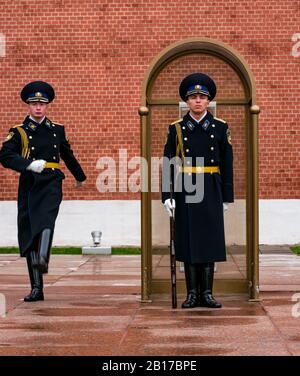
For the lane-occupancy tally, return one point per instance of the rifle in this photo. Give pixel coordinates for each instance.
(172, 252)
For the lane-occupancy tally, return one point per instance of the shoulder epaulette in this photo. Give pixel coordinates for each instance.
(56, 123)
(221, 120)
(176, 122)
(18, 125)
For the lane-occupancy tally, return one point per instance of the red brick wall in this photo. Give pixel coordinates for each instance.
(95, 54)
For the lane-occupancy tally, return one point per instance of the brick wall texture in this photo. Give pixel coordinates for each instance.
(95, 53)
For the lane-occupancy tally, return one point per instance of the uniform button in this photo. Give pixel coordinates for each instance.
(54, 134)
(213, 125)
(212, 136)
(32, 148)
(33, 159)
(185, 138)
(53, 169)
(55, 146)
(212, 148)
(54, 157)
(187, 150)
(183, 127)
(30, 137)
(189, 173)
(212, 160)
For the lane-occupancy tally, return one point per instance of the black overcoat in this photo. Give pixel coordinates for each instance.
(39, 195)
(199, 226)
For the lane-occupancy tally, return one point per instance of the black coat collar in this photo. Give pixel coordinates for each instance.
(33, 125)
(191, 124)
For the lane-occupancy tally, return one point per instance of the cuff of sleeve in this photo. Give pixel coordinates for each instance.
(81, 177)
(23, 164)
(165, 196)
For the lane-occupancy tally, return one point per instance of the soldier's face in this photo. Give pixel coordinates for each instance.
(198, 104)
(37, 110)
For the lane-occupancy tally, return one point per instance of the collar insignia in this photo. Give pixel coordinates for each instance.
(32, 126)
(190, 125)
(49, 125)
(205, 125)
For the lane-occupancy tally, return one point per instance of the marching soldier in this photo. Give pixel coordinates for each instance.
(34, 149)
(199, 224)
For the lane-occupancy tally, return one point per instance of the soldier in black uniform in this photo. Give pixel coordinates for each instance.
(199, 225)
(34, 149)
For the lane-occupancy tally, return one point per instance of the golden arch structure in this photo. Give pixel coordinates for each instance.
(189, 54)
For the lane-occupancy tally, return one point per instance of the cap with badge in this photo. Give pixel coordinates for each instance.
(197, 83)
(37, 91)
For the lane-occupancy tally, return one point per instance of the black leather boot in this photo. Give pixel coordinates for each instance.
(44, 250)
(30, 269)
(36, 279)
(206, 284)
(191, 279)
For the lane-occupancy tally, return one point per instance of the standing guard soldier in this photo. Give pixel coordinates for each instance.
(199, 226)
(34, 149)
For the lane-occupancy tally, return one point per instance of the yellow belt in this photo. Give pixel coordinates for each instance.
(200, 169)
(52, 165)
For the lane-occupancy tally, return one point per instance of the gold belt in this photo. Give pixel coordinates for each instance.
(200, 169)
(52, 165)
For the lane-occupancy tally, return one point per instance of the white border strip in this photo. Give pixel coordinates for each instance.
(119, 221)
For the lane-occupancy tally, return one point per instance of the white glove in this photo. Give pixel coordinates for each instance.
(225, 206)
(170, 206)
(37, 166)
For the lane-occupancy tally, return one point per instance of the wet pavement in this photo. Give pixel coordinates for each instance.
(92, 307)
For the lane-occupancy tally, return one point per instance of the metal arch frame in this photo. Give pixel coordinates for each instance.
(236, 61)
